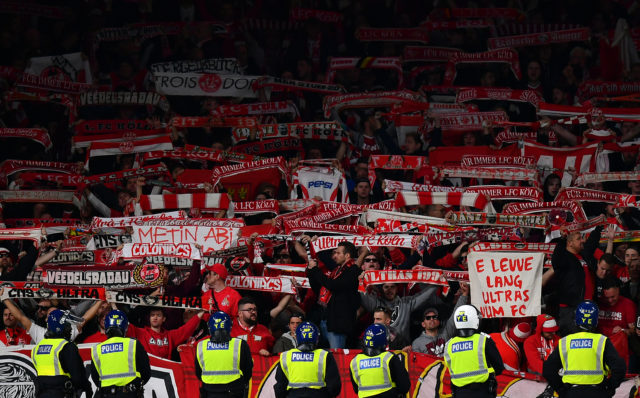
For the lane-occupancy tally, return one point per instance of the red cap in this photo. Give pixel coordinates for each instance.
(520, 332)
(219, 269)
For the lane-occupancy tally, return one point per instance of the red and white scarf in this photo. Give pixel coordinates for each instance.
(303, 14)
(85, 140)
(206, 121)
(408, 198)
(126, 147)
(540, 39)
(33, 234)
(344, 63)
(217, 201)
(202, 154)
(270, 83)
(509, 174)
(421, 275)
(498, 94)
(132, 251)
(527, 208)
(256, 206)
(272, 284)
(329, 131)
(227, 66)
(587, 195)
(123, 98)
(518, 220)
(392, 34)
(587, 178)
(427, 54)
(509, 56)
(41, 136)
(257, 108)
(378, 99)
(110, 126)
(122, 222)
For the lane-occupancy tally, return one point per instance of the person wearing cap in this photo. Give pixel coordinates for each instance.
(57, 361)
(219, 297)
(433, 338)
(509, 342)
(9, 271)
(591, 366)
(541, 344)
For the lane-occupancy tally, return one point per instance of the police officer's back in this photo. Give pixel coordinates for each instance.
(120, 365)
(586, 358)
(307, 371)
(57, 361)
(472, 357)
(223, 363)
(377, 372)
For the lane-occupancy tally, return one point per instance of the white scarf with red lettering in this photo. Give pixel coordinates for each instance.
(409, 198)
(343, 63)
(503, 55)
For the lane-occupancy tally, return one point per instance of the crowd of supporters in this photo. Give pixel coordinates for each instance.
(296, 41)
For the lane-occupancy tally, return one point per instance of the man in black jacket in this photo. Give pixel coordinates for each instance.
(570, 260)
(17, 272)
(338, 294)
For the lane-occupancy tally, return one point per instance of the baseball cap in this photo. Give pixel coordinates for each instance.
(428, 310)
(219, 269)
(550, 324)
(4, 250)
(520, 332)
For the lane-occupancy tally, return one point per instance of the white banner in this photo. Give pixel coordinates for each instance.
(68, 67)
(506, 284)
(211, 238)
(204, 84)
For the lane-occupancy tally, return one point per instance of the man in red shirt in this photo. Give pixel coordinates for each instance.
(158, 341)
(247, 328)
(12, 333)
(224, 298)
(541, 344)
(509, 344)
(617, 316)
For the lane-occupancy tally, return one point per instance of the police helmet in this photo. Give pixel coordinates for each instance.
(220, 327)
(375, 339)
(467, 320)
(307, 336)
(587, 315)
(116, 321)
(57, 323)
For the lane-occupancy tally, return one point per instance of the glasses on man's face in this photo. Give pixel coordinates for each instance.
(371, 260)
(3, 255)
(430, 317)
(43, 308)
(253, 309)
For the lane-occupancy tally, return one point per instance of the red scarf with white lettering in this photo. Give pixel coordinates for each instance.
(540, 39)
(365, 34)
(503, 55)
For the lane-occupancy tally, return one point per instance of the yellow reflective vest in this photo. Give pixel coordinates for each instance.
(220, 362)
(466, 360)
(115, 361)
(304, 369)
(46, 357)
(372, 374)
(582, 356)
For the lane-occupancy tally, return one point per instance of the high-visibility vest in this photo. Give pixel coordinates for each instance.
(115, 361)
(46, 357)
(220, 362)
(466, 360)
(372, 374)
(304, 369)
(582, 356)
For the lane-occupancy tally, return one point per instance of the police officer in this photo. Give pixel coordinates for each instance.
(307, 371)
(57, 361)
(377, 372)
(223, 363)
(586, 358)
(120, 365)
(472, 358)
